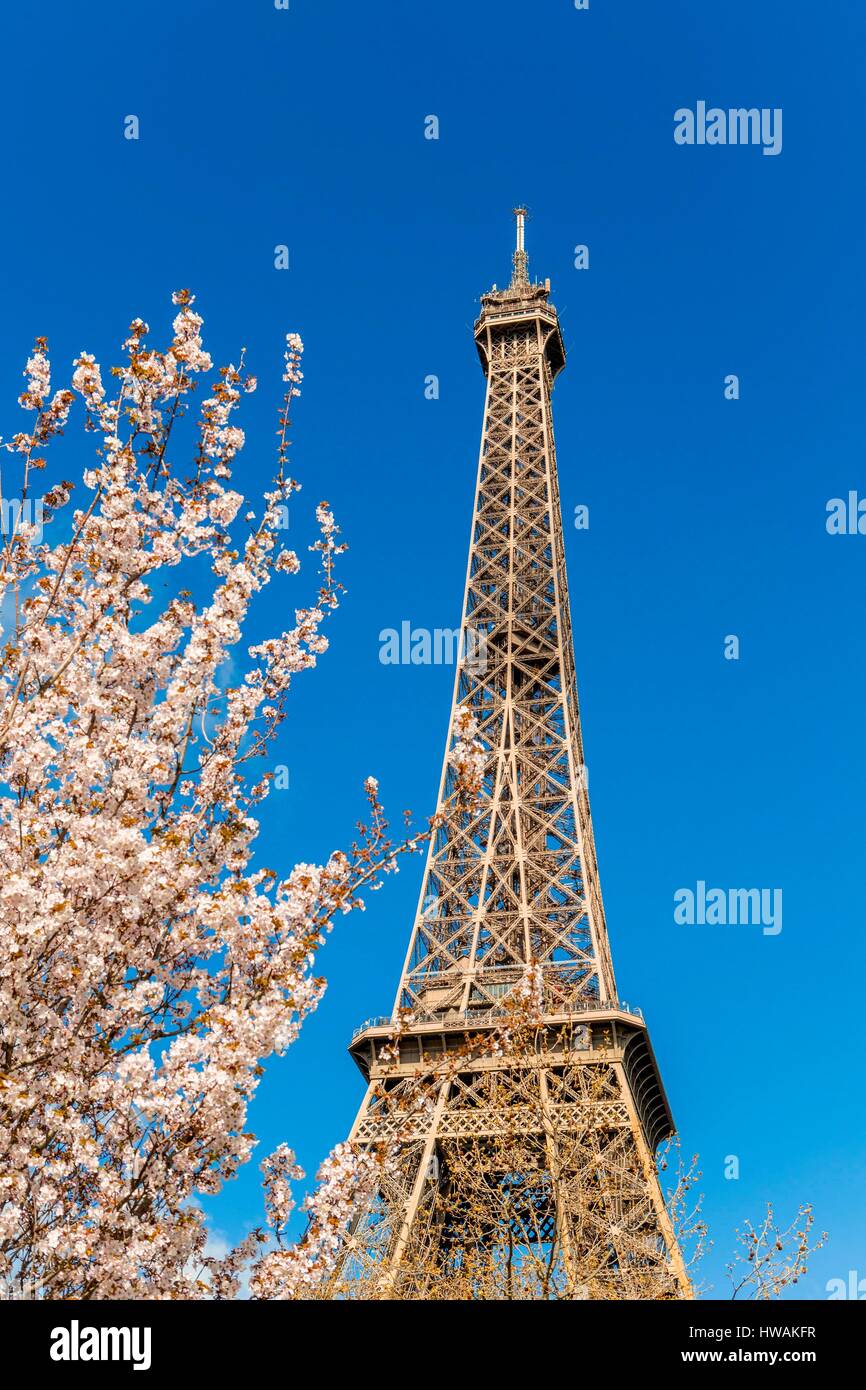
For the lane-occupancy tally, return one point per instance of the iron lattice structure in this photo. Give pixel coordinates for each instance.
(539, 1155)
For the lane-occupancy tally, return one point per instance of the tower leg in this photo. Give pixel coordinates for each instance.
(544, 1186)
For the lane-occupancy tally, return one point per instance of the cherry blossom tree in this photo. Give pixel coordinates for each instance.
(770, 1257)
(148, 966)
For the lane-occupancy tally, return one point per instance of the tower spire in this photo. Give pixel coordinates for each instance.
(520, 260)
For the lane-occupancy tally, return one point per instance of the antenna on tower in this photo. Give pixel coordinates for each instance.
(520, 259)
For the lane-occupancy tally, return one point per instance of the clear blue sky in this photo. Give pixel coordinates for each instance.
(305, 127)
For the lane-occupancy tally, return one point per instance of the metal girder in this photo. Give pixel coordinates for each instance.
(510, 880)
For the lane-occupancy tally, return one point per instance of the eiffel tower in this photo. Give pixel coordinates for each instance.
(529, 1171)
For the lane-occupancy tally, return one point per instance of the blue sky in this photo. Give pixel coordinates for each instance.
(707, 517)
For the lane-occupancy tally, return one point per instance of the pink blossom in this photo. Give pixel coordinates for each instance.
(147, 969)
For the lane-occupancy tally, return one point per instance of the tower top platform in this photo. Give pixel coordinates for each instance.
(517, 307)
